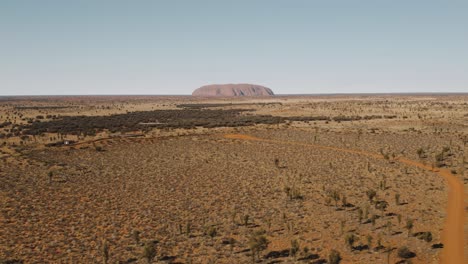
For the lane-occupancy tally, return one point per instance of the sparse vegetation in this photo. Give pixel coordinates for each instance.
(166, 172)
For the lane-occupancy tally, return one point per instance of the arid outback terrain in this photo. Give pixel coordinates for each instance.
(283, 179)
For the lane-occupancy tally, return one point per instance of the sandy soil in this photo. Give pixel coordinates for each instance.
(173, 185)
(453, 237)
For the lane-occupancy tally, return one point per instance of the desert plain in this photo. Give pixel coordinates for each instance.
(278, 179)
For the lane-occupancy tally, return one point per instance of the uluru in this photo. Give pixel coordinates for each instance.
(227, 90)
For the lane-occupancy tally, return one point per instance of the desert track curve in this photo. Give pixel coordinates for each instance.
(452, 235)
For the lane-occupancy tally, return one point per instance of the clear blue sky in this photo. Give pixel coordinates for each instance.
(291, 46)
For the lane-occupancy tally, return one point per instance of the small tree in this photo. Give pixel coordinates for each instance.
(342, 226)
(420, 153)
(373, 218)
(350, 239)
(344, 202)
(136, 236)
(149, 252)
(369, 241)
(426, 236)
(397, 199)
(98, 148)
(334, 257)
(50, 175)
(232, 243)
(404, 252)
(294, 248)
(409, 225)
(257, 243)
(212, 232)
(389, 227)
(246, 219)
(389, 253)
(335, 196)
(383, 184)
(188, 228)
(371, 194)
(360, 214)
(105, 251)
(268, 224)
(381, 205)
(439, 160)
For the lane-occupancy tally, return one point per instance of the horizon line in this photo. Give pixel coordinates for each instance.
(267, 96)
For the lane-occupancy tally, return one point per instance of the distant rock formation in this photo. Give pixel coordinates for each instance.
(225, 90)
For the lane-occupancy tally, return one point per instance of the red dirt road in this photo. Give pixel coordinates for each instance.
(452, 236)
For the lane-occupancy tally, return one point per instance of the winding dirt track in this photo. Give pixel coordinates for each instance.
(452, 236)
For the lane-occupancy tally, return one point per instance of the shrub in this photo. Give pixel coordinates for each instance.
(149, 252)
(188, 228)
(50, 175)
(371, 194)
(212, 232)
(360, 214)
(439, 160)
(136, 236)
(409, 225)
(404, 252)
(334, 257)
(246, 219)
(369, 241)
(98, 148)
(335, 195)
(306, 251)
(294, 248)
(420, 153)
(426, 236)
(344, 202)
(257, 243)
(350, 239)
(381, 205)
(105, 251)
(373, 218)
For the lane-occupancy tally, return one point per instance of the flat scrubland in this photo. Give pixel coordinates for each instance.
(142, 178)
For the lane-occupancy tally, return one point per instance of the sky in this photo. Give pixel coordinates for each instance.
(291, 46)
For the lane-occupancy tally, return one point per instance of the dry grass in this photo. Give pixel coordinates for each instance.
(188, 192)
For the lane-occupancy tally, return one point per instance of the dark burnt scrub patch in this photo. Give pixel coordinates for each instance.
(178, 118)
(50, 107)
(200, 106)
(142, 120)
